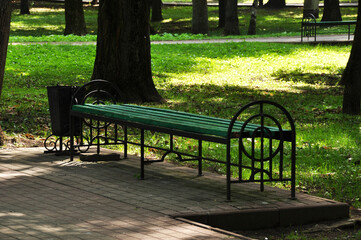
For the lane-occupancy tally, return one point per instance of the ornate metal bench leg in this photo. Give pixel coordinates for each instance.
(125, 129)
(142, 154)
(293, 171)
(228, 170)
(200, 154)
(71, 150)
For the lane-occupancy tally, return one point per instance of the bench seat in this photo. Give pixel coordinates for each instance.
(309, 24)
(330, 23)
(175, 120)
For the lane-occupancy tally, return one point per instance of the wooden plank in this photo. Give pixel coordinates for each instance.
(169, 118)
(184, 118)
(329, 23)
(152, 121)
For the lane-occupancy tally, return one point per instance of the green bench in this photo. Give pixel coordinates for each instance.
(101, 114)
(309, 26)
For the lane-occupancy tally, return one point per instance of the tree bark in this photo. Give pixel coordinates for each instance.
(200, 17)
(5, 16)
(275, 4)
(157, 10)
(222, 13)
(351, 77)
(252, 21)
(123, 49)
(232, 25)
(24, 7)
(74, 18)
(331, 11)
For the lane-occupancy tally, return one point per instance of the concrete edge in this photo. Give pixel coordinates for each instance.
(252, 219)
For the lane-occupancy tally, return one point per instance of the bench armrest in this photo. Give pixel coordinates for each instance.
(97, 92)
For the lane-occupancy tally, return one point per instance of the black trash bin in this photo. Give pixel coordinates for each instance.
(59, 98)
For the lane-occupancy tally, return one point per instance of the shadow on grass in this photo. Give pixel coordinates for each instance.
(224, 101)
(311, 78)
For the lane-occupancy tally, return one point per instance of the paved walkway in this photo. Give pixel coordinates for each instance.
(215, 4)
(338, 38)
(293, 39)
(46, 197)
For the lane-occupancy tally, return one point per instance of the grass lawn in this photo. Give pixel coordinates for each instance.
(212, 79)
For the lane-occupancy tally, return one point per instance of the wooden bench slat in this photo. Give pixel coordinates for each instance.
(144, 119)
(168, 118)
(184, 116)
(330, 23)
(196, 118)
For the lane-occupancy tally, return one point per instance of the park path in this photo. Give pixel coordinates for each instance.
(339, 38)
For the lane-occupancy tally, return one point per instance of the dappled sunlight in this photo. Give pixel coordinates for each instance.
(47, 10)
(296, 70)
(7, 175)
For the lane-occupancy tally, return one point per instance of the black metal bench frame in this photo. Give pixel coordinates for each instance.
(309, 26)
(98, 123)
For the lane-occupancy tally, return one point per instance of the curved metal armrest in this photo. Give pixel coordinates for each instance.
(97, 92)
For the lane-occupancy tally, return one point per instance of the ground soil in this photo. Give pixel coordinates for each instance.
(18, 141)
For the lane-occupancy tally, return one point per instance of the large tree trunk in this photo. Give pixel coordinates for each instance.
(232, 25)
(200, 17)
(24, 7)
(331, 11)
(351, 77)
(123, 49)
(74, 18)
(5, 16)
(222, 13)
(275, 4)
(157, 11)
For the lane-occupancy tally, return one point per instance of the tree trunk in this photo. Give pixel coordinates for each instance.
(123, 49)
(2, 137)
(331, 11)
(252, 21)
(74, 18)
(5, 16)
(222, 13)
(157, 11)
(24, 7)
(232, 26)
(311, 7)
(351, 77)
(275, 4)
(200, 17)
